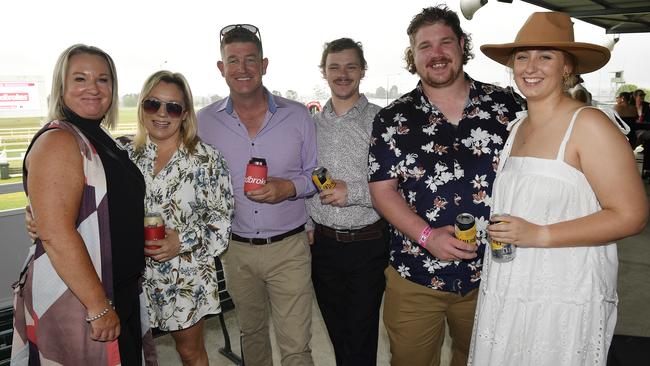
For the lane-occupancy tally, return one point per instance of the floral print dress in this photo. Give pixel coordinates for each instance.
(193, 192)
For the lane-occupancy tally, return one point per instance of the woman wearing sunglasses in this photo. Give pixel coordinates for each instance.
(188, 183)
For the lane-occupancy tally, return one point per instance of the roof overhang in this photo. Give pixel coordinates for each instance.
(615, 16)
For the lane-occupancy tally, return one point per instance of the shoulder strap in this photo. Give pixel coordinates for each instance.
(567, 134)
(513, 126)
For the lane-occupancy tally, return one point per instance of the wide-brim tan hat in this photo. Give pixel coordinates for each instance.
(551, 30)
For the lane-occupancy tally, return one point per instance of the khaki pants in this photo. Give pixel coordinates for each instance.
(277, 278)
(415, 316)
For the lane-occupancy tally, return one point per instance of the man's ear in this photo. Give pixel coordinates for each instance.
(220, 65)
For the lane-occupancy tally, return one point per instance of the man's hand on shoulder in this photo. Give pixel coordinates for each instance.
(275, 190)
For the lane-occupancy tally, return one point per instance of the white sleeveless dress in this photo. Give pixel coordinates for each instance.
(548, 306)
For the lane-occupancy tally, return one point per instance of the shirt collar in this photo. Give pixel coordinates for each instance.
(151, 149)
(474, 90)
(272, 103)
(359, 106)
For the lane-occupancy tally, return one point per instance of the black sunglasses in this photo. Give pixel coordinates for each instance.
(249, 27)
(152, 106)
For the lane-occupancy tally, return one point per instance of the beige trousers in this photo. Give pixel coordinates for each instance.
(415, 315)
(273, 278)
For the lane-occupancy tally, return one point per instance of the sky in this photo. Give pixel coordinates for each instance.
(144, 36)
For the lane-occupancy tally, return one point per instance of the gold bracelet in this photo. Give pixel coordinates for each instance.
(101, 313)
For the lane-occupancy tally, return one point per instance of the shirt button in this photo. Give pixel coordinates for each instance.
(255, 211)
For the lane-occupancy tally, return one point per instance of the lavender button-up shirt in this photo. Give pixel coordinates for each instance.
(287, 141)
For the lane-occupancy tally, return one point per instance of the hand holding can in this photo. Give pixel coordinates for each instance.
(322, 178)
(256, 174)
(501, 252)
(154, 228)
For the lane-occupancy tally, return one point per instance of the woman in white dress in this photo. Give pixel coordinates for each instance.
(568, 182)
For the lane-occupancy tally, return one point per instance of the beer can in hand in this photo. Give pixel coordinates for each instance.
(154, 228)
(322, 178)
(256, 174)
(501, 252)
(465, 228)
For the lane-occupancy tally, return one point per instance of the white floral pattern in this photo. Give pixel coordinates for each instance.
(193, 193)
(442, 171)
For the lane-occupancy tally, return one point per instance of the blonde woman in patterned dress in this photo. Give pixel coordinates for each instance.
(187, 182)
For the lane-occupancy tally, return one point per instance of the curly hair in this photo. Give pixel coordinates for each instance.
(432, 15)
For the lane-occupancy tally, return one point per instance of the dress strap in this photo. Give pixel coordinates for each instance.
(567, 134)
(513, 126)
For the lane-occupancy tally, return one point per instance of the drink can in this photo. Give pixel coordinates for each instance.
(501, 252)
(256, 174)
(322, 178)
(154, 228)
(465, 228)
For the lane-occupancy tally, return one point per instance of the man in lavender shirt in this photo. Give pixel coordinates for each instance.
(268, 262)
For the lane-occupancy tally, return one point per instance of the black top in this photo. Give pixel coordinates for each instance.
(125, 191)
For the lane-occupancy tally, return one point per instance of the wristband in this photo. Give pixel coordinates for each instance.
(424, 235)
(101, 313)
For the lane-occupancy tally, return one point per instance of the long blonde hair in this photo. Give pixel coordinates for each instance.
(189, 126)
(56, 105)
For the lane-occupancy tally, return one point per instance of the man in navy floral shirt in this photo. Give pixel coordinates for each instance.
(433, 155)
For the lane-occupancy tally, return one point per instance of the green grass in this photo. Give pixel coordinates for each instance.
(11, 180)
(10, 201)
(20, 122)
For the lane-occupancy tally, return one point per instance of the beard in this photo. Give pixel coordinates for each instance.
(443, 78)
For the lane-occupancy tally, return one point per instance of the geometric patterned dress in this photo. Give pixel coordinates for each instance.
(49, 325)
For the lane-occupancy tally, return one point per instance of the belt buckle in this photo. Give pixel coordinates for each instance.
(343, 232)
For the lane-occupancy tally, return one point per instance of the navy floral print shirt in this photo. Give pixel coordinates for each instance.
(442, 170)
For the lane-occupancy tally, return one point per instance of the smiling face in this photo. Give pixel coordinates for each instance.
(88, 86)
(438, 55)
(538, 73)
(242, 67)
(160, 125)
(343, 72)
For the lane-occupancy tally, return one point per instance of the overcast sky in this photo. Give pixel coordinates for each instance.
(145, 36)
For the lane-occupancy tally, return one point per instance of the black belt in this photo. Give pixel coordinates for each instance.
(273, 239)
(370, 232)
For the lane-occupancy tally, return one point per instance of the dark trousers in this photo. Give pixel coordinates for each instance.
(127, 306)
(349, 284)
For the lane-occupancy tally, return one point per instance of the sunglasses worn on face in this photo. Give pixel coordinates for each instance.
(249, 27)
(152, 106)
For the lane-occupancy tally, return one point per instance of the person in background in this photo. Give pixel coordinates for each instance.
(268, 261)
(188, 183)
(579, 92)
(77, 302)
(625, 108)
(555, 302)
(642, 107)
(350, 247)
(432, 157)
(643, 131)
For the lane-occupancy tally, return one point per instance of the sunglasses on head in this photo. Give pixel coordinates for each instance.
(152, 106)
(249, 27)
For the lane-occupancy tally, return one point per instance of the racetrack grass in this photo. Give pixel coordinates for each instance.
(11, 180)
(10, 201)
